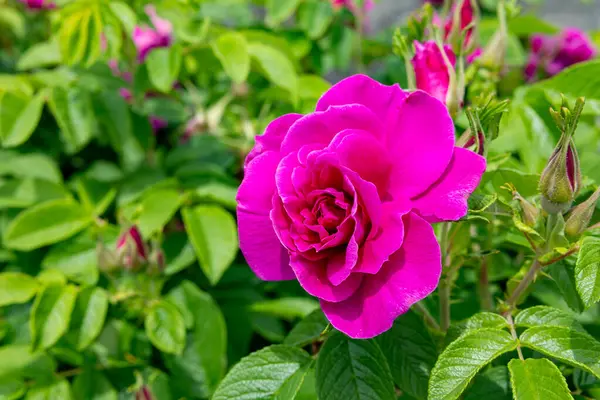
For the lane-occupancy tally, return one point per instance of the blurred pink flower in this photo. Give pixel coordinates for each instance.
(146, 39)
(343, 199)
(39, 4)
(352, 5)
(551, 54)
(157, 123)
(431, 72)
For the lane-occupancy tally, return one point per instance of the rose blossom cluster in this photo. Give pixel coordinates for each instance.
(551, 54)
(343, 199)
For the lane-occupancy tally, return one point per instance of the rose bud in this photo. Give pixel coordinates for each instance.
(146, 39)
(435, 73)
(39, 4)
(529, 213)
(580, 216)
(144, 393)
(462, 21)
(561, 179)
(131, 249)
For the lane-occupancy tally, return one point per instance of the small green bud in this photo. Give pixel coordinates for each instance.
(529, 212)
(561, 179)
(580, 216)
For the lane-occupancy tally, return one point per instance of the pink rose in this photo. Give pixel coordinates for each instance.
(147, 39)
(343, 199)
(431, 72)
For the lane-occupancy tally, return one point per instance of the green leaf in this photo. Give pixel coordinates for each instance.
(526, 25)
(587, 271)
(165, 327)
(563, 275)
(23, 193)
(463, 358)
(314, 17)
(213, 234)
(537, 379)
(51, 391)
(231, 49)
(312, 87)
(74, 114)
(493, 384)
(477, 321)
(19, 361)
(216, 192)
(286, 307)
(411, 354)
(198, 371)
(353, 369)
(581, 80)
(157, 209)
(34, 165)
(280, 10)
(546, 316)
(51, 314)
(565, 344)
(179, 253)
(19, 117)
(46, 223)
(270, 373)
(93, 385)
(307, 330)
(12, 389)
(16, 288)
(43, 54)
(276, 67)
(163, 67)
(89, 316)
(125, 14)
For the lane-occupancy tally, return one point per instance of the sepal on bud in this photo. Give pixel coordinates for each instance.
(580, 216)
(131, 249)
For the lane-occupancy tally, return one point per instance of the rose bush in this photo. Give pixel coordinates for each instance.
(342, 200)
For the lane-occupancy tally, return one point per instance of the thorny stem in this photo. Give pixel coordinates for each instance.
(445, 288)
(523, 285)
(513, 332)
(427, 316)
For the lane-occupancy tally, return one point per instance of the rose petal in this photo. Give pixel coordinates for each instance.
(259, 244)
(321, 127)
(410, 275)
(446, 200)
(312, 276)
(273, 136)
(382, 100)
(376, 251)
(421, 144)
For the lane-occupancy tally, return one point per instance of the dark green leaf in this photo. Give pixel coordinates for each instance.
(165, 327)
(200, 368)
(463, 358)
(287, 307)
(587, 271)
(493, 384)
(51, 314)
(353, 369)
(93, 385)
(51, 391)
(411, 354)
(46, 223)
(23, 193)
(308, 330)
(273, 372)
(477, 321)
(537, 379)
(16, 287)
(563, 275)
(546, 316)
(213, 234)
(565, 344)
(12, 389)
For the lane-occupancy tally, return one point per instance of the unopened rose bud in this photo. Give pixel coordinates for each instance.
(477, 143)
(494, 54)
(561, 179)
(580, 216)
(434, 72)
(131, 249)
(144, 393)
(529, 213)
(461, 25)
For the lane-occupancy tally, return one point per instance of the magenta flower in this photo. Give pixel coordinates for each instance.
(38, 4)
(431, 72)
(157, 123)
(352, 5)
(343, 199)
(146, 39)
(551, 54)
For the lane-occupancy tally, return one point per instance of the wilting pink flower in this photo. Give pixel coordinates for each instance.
(126, 94)
(466, 17)
(551, 54)
(147, 39)
(343, 199)
(38, 4)
(431, 72)
(157, 123)
(131, 248)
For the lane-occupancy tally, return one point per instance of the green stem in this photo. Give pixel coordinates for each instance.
(446, 281)
(523, 285)
(426, 315)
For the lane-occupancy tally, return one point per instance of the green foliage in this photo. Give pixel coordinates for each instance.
(587, 271)
(537, 379)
